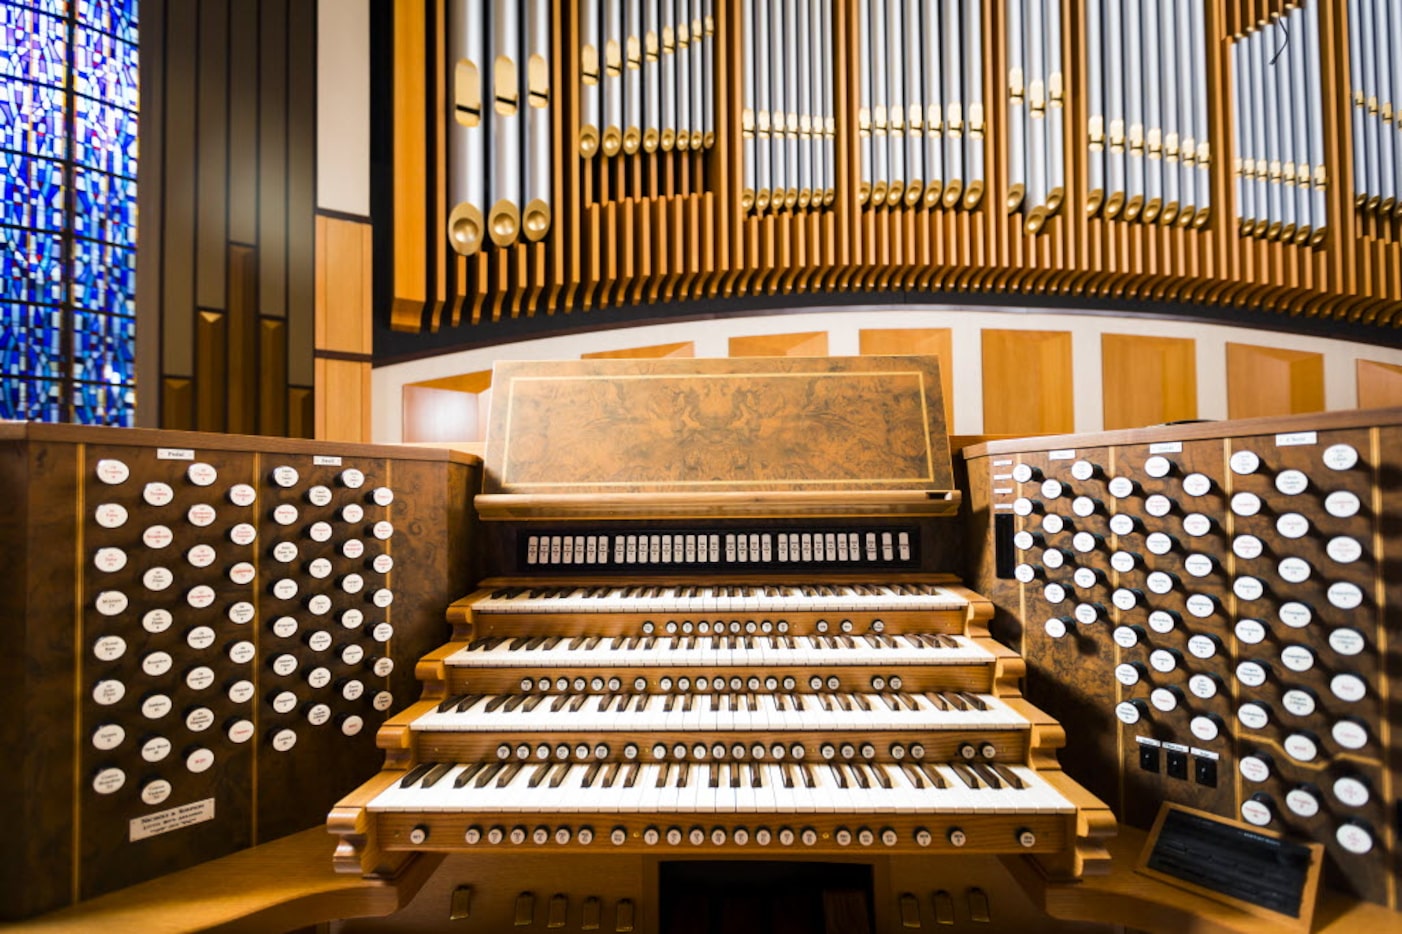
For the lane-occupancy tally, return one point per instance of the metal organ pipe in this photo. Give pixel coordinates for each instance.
(866, 154)
(1115, 107)
(1172, 135)
(591, 78)
(1134, 109)
(1017, 115)
(763, 169)
(652, 79)
(700, 103)
(1036, 119)
(535, 221)
(467, 136)
(804, 106)
(1187, 122)
(612, 76)
(1203, 155)
(914, 107)
(681, 46)
(1285, 102)
(1243, 166)
(880, 157)
(954, 104)
(504, 220)
(633, 79)
(747, 111)
(895, 103)
(931, 55)
(667, 53)
(1299, 93)
(1153, 117)
(973, 93)
(1314, 103)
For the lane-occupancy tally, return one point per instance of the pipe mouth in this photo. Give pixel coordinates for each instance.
(465, 229)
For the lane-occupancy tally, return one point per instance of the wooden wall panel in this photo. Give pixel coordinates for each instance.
(1379, 384)
(1271, 381)
(1027, 382)
(679, 349)
(232, 187)
(347, 383)
(809, 344)
(938, 342)
(1147, 380)
(343, 283)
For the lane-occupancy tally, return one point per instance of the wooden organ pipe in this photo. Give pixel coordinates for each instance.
(535, 220)
(1279, 133)
(504, 221)
(466, 226)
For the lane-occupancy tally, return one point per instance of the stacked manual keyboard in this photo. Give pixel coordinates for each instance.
(709, 720)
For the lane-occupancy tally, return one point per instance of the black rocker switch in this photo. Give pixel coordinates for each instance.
(1177, 765)
(1149, 758)
(1205, 772)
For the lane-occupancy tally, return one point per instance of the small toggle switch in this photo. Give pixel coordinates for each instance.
(1149, 758)
(1177, 764)
(1205, 771)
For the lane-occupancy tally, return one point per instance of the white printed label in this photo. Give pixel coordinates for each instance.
(174, 454)
(1296, 438)
(1166, 447)
(326, 460)
(1063, 455)
(176, 818)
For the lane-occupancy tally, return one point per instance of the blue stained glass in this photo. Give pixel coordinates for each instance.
(31, 266)
(104, 137)
(105, 69)
(31, 192)
(32, 400)
(31, 119)
(104, 207)
(36, 45)
(118, 17)
(104, 277)
(104, 348)
(104, 404)
(33, 341)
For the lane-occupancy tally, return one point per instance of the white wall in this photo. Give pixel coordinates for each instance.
(711, 339)
(343, 106)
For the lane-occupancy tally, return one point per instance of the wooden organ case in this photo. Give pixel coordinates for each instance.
(721, 642)
(1213, 607)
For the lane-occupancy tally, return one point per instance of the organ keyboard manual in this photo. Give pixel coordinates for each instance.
(720, 625)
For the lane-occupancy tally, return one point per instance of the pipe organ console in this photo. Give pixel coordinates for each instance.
(774, 669)
(1211, 607)
(616, 153)
(201, 635)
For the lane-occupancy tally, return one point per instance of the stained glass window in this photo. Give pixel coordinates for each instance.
(69, 98)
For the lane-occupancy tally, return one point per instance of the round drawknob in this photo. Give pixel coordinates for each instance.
(1026, 838)
(956, 837)
(418, 835)
(1259, 809)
